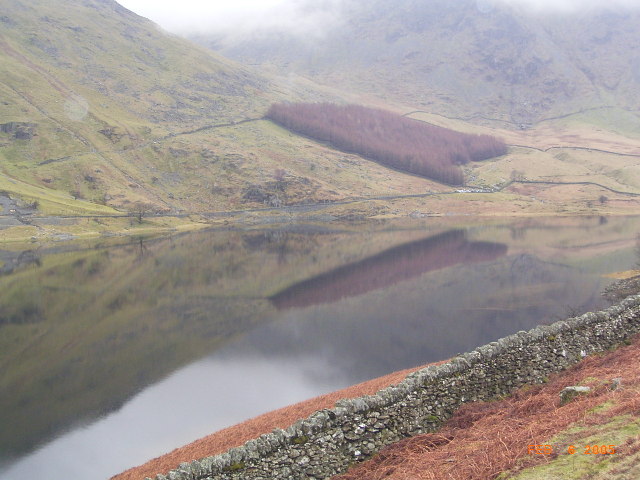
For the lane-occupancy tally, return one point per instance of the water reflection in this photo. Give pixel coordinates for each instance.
(196, 316)
(204, 397)
(430, 317)
(387, 268)
(82, 331)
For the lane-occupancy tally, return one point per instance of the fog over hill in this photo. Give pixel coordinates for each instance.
(515, 60)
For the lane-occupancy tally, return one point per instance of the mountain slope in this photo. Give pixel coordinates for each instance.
(102, 111)
(94, 83)
(100, 104)
(467, 58)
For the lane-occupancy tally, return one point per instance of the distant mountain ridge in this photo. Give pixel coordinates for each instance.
(465, 58)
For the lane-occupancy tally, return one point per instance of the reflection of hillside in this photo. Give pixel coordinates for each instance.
(388, 268)
(82, 331)
(84, 328)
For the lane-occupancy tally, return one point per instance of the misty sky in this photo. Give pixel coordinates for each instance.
(303, 16)
(237, 15)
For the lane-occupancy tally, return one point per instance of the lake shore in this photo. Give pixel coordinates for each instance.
(534, 200)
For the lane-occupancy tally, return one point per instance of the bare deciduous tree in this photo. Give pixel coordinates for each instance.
(139, 210)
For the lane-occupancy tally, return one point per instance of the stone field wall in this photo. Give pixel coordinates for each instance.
(329, 441)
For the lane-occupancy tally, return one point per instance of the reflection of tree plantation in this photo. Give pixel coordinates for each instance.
(388, 268)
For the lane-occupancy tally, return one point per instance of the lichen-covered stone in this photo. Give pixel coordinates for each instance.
(569, 393)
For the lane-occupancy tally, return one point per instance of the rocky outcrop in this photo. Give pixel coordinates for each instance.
(20, 130)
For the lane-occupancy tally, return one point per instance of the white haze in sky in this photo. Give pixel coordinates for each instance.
(570, 5)
(239, 16)
(305, 17)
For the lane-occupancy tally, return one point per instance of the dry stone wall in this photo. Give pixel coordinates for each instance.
(329, 441)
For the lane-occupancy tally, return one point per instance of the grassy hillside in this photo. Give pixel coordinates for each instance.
(101, 106)
(97, 84)
(103, 110)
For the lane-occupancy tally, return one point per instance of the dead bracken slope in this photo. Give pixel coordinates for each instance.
(482, 439)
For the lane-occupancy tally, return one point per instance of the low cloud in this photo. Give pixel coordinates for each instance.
(308, 18)
(567, 5)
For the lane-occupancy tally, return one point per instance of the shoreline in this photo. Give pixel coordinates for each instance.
(69, 228)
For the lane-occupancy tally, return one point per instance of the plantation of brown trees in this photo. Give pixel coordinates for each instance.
(390, 139)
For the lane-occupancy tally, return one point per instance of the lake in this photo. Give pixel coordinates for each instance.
(114, 352)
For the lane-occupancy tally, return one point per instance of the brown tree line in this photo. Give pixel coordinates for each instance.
(388, 138)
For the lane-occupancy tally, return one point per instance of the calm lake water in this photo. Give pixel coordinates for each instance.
(111, 354)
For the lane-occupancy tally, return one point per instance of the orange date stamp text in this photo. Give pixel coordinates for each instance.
(572, 450)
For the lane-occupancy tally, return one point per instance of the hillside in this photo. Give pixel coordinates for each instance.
(95, 85)
(103, 113)
(102, 109)
(479, 60)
